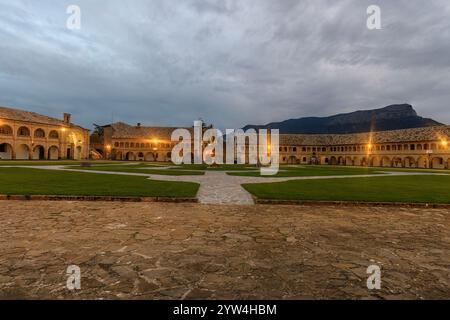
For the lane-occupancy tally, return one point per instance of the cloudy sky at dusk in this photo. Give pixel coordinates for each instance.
(229, 62)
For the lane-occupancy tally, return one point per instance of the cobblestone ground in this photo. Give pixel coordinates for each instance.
(192, 251)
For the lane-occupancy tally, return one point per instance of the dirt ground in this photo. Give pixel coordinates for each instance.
(195, 251)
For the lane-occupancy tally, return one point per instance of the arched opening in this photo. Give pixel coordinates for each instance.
(53, 153)
(23, 152)
(292, 160)
(375, 162)
(140, 156)
(149, 156)
(385, 162)
(422, 162)
(54, 135)
(397, 162)
(437, 163)
(130, 156)
(333, 161)
(340, 161)
(77, 153)
(38, 153)
(6, 130)
(409, 162)
(348, 161)
(356, 161)
(6, 151)
(23, 132)
(364, 162)
(39, 133)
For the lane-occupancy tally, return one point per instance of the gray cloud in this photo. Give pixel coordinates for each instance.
(229, 62)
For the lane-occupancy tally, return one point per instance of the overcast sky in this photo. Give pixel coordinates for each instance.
(231, 63)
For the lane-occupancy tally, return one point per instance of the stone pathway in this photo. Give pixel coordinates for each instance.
(217, 187)
(197, 251)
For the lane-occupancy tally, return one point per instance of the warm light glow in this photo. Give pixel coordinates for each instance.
(155, 140)
(63, 129)
(444, 143)
(108, 147)
(369, 146)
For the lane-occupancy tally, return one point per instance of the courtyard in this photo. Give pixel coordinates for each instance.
(196, 251)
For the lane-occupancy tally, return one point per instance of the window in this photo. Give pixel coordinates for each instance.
(412, 147)
(23, 132)
(53, 134)
(116, 144)
(294, 149)
(6, 130)
(39, 133)
(3, 147)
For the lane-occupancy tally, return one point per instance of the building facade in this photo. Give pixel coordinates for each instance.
(27, 135)
(121, 141)
(427, 147)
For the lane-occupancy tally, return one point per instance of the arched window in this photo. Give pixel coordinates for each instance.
(53, 134)
(23, 132)
(6, 130)
(39, 133)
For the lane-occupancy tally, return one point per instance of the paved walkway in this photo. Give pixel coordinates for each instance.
(196, 251)
(217, 187)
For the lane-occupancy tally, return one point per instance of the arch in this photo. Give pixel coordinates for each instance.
(409, 162)
(385, 161)
(53, 135)
(23, 132)
(149, 156)
(356, 161)
(348, 161)
(6, 130)
(437, 163)
(130, 156)
(77, 153)
(341, 161)
(397, 162)
(292, 160)
(39, 133)
(117, 155)
(363, 161)
(6, 151)
(23, 152)
(38, 153)
(53, 153)
(333, 161)
(375, 161)
(422, 162)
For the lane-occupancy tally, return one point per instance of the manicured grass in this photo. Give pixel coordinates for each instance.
(307, 171)
(52, 162)
(148, 169)
(414, 189)
(25, 181)
(221, 167)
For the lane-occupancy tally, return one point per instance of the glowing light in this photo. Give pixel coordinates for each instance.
(369, 146)
(444, 143)
(108, 147)
(155, 140)
(63, 129)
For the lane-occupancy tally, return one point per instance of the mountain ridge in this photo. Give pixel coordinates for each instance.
(392, 117)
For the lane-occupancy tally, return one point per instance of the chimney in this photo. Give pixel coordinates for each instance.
(67, 118)
(138, 124)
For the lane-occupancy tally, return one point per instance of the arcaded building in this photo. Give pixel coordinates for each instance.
(27, 135)
(427, 147)
(121, 141)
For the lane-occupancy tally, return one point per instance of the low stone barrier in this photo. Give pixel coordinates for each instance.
(96, 198)
(352, 203)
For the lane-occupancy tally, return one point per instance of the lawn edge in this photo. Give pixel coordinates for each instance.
(351, 203)
(97, 198)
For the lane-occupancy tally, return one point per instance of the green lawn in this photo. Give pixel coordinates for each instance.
(140, 168)
(423, 189)
(221, 167)
(25, 181)
(307, 171)
(52, 162)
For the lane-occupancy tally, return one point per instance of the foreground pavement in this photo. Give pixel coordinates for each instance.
(195, 251)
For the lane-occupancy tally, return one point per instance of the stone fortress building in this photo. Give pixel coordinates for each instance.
(27, 135)
(427, 147)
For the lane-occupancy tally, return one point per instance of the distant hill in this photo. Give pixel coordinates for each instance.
(397, 116)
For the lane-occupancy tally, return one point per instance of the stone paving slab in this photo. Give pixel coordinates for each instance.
(195, 251)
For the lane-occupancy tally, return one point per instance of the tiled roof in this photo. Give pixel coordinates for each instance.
(434, 133)
(125, 131)
(28, 116)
